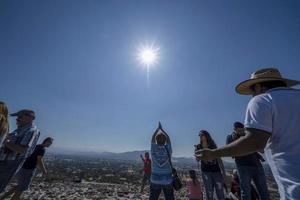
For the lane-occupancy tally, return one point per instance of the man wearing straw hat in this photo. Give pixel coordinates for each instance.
(272, 123)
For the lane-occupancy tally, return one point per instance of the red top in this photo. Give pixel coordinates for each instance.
(147, 166)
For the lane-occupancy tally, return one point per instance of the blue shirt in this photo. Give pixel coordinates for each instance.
(27, 135)
(161, 169)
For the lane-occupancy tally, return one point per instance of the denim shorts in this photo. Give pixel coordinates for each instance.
(24, 178)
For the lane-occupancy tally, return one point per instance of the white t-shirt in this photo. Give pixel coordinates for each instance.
(278, 112)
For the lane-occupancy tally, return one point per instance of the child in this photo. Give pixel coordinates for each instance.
(147, 170)
(194, 187)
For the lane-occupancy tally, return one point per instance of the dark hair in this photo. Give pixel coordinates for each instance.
(211, 143)
(238, 125)
(193, 176)
(270, 84)
(48, 139)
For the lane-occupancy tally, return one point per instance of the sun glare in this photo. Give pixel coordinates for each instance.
(148, 56)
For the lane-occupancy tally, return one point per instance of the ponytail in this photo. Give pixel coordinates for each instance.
(194, 177)
(4, 125)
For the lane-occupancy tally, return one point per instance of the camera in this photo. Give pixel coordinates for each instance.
(197, 147)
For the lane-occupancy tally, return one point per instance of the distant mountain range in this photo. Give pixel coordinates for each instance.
(129, 156)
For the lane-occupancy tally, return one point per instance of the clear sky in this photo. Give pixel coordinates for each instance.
(74, 62)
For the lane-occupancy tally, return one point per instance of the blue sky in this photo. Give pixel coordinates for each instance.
(74, 62)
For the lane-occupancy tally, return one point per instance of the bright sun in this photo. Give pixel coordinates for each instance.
(148, 55)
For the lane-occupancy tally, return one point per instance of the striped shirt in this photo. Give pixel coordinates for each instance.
(27, 135)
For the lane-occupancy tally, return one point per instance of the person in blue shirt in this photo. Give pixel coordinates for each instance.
(161, 174)
(17, 146)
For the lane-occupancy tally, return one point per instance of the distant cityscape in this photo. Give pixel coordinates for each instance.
(110, 176)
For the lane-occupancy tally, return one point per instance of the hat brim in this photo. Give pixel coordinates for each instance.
(17, 114)
(245, 86)
(14, 114)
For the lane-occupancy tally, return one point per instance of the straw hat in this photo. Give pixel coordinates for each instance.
(263, 75)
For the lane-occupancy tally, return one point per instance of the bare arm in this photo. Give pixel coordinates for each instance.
(142, 158)
(153, 138)
(253, 141)
(41, 164)
(168, 138)
(19, 149)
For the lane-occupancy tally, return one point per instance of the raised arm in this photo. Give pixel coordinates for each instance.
(153, 137)
(168, 141)
(142, 158)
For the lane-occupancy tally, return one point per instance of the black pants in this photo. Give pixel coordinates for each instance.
(8, 169)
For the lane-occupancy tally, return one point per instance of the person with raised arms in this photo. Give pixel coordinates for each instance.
(161, 173)
(147, 170)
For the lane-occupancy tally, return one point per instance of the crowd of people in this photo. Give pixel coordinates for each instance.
(19, 153)
(272, 127)
(159, 174)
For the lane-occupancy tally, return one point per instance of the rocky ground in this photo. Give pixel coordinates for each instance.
(105, 179)
(88, 191)
(65, 190)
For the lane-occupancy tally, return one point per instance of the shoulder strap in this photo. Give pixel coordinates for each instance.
(169, 156)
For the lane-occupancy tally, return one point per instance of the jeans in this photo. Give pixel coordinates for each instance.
(213, 181)
(24, 178)
(8, 169)
(257, 174)
(155, 191)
